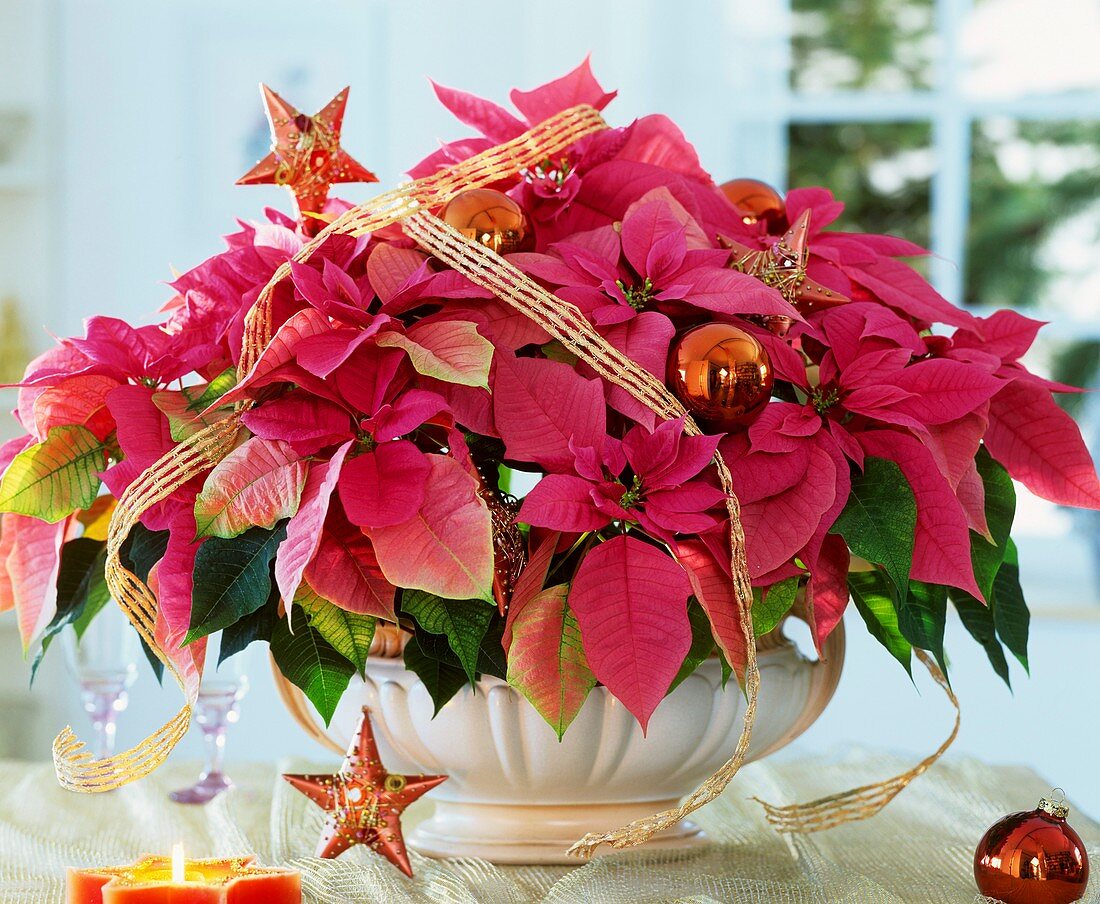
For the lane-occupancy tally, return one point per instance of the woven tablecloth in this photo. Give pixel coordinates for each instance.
(918, 850)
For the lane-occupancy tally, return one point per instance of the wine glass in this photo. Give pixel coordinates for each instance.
(104, 662)
(216, 709)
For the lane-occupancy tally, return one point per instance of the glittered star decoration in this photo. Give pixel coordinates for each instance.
(783, 267)
(364, 801)
(306, 156)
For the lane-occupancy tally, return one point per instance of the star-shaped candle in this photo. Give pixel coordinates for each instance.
(159, 880)
(783, 267)
(364, 801)
(306, 156)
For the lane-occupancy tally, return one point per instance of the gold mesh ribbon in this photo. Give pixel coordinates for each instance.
(409, 204)
(867, 800)
(76, 768)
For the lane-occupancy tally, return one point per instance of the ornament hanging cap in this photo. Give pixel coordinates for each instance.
(1059, 809)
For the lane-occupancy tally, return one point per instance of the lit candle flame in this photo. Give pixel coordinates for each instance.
(179, 874)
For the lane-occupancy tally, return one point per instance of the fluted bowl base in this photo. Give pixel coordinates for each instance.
(518, 794)
(535, 833)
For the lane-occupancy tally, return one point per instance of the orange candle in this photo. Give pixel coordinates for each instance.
(160, 880)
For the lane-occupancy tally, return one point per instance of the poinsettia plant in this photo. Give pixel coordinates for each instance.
(397, 403)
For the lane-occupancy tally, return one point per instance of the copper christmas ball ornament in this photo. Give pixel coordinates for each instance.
(722, 375)
(491, 218)
(755, 201)
(1033, 857)
(776, 324)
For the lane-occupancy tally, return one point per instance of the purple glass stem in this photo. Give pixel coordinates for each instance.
(103, 701)
(215, 711)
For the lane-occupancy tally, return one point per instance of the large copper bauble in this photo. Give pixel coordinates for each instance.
(491, 218)
(1033, 857)
(755, 201)
(722, 375)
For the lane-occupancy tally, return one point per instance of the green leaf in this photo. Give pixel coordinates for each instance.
(232, 579)
(215, 389)
(309, 661)
(871, 594)
(154, 663)
(183, 408)
(463, 622)
(923, 618)
(727, 669)
(775, 602)
(52, 479)
(142, 549)
(99, 595)
(556, 351)
(977, 618)
(702, 643)
(79, 579)
(490, 657)
(1010, 613)
(880, 520)
(1000, 509)
(258, 626)
(441, 680)
(349, 632)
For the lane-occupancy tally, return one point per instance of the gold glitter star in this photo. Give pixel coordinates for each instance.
(306, 156)
(364, 801)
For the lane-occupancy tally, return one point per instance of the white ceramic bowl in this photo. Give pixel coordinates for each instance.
(518, 795)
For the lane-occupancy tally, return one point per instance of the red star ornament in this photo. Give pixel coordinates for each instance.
(783, 267)
(306, 156)
(364, 801)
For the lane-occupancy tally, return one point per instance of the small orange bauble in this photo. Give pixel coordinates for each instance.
(755, 201)
(722, 375)
(491, 218)
(1032, 858)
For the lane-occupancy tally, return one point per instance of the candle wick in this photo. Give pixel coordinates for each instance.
(179, 873)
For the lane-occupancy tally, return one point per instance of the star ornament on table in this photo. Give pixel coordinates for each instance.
(364, 801)
(783, 267)
(306, 156)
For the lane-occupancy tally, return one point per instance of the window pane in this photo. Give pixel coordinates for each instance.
(880, 45)
(1035, 216)
(882, 171)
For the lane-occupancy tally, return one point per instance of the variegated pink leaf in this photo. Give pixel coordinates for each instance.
(546, 658)
(280, 351)
(543, 545)
(446, 548)
(32, 566)
(449, 350)
(344, 570)
(79, 400)
(256, 485)
(303, 532)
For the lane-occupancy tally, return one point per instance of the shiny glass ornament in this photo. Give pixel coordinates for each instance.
(491, 218)
(722, 375)
(755, 201)
(1033, 857)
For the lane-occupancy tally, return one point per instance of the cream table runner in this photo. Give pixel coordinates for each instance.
(918, 850)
